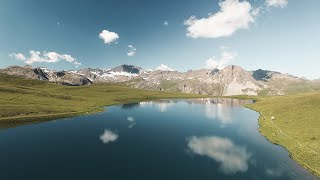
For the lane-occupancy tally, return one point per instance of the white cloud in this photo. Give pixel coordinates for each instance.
(232, 16)
(48, 57)
(163, 67)
(277, 3)
(165, 23)
(108, 136)
(108, 36)
(18, 56)
(132, 50)
(220, 63)
(232, 158)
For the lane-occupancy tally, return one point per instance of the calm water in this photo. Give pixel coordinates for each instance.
(177, 139)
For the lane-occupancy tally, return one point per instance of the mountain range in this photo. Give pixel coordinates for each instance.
(231, 80)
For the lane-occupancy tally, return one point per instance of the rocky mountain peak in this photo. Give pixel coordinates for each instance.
(233, 68)
(127, 68)
(232, 72)
(231, 80)
(262, 75)
(236, 80)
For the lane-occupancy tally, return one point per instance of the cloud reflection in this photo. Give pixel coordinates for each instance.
(274, 172)
(232, 158)
(108, 136)
(131, 121)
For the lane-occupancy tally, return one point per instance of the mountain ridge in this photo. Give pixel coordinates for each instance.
(231, 80)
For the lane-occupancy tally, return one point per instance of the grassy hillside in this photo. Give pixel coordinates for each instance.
(28, 101)
(290, 86)
(296, 125)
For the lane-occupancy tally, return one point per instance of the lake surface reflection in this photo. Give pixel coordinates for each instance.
(166, 139)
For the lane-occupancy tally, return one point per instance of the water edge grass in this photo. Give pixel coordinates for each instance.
(293, 122)
(29, 101)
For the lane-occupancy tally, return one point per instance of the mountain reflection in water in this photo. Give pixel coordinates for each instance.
(207, 138)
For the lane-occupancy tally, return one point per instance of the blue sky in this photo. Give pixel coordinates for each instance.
(281, 35)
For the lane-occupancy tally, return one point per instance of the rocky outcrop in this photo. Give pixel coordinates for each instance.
(70, 79)
(236, 81)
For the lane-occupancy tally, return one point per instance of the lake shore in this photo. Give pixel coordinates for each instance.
(292, 122)
(295, 127)
(25, 101)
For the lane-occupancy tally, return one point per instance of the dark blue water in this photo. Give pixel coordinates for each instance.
(177, 139)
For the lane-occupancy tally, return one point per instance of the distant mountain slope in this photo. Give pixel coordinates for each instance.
(60, 77)
(231, 80)
(280, 83)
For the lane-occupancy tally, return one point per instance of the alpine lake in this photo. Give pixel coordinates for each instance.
(183, 139)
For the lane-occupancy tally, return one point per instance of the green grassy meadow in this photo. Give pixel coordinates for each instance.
(296, 125)
(29, 101)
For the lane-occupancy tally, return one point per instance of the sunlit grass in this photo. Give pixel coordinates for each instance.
(25, 101)
(296, 125)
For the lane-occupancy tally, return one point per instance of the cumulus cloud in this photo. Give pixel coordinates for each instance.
(232, 16)
(132, 50)
(222, 61)
(108, 136)
(165, 23)
(108, 36)
(277, 3)
(232, 158)
(17, 56)
(163, 67)
(48, 57)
